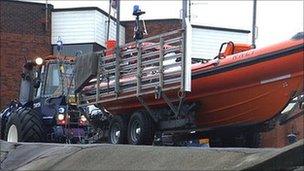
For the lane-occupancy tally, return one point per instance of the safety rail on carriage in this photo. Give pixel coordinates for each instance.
(149, 66)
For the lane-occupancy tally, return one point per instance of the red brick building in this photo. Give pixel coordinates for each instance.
(24, 32)
(154, 27)
(278, 137)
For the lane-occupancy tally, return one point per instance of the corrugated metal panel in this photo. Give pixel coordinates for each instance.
(206, 42)
(86, 26)
(73, 26)
(101, 29)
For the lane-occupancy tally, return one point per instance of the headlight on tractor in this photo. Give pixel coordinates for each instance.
(39, 61)
(60, 117)
(83, 120)
(61, 120)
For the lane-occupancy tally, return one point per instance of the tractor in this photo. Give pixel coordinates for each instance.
(46, 110)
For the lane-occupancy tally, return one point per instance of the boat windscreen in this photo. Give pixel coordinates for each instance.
(298, 36)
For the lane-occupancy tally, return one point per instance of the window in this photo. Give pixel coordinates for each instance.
(52, 85)
(38, 91)
(56, 80)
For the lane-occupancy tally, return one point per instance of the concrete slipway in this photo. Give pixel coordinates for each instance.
(39, 156)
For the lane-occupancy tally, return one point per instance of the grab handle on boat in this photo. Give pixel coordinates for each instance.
(229, 50)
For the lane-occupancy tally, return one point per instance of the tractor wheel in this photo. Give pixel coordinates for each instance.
(24, 125)
(141, 129)
(118, 130)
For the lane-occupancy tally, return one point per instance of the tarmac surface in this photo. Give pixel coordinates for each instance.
(42, 156)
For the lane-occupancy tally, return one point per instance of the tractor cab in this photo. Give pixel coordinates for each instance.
(56, 79)
(50, 78)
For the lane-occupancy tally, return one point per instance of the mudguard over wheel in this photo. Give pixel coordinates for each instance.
(24, 125)
(141, 129)
(118, 130)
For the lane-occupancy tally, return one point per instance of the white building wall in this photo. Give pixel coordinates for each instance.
(84, 26)
(206, 42)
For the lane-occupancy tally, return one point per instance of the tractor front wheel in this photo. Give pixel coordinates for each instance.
(24, 125)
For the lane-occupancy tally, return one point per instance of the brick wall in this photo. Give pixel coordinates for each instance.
(23, 33)
(278, 136)
(154, 27)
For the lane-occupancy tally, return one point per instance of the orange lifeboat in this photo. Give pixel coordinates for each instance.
(243, 86)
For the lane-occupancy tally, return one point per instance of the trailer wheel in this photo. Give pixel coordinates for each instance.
(141, 129)
(24, 125)
(118, 130)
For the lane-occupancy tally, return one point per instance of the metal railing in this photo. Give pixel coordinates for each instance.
(144, 67)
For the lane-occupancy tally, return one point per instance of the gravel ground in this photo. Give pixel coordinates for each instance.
(35, 156)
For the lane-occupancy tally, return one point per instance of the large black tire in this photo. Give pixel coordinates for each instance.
(28, 124)
(118, 124)
(141, 129)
